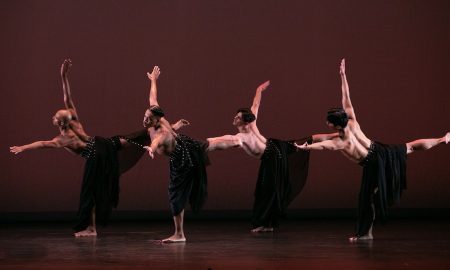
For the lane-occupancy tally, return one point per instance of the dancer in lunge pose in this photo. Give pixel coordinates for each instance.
(384, 166)
(104, 164)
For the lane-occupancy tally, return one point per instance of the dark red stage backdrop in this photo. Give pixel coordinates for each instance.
(213, 54)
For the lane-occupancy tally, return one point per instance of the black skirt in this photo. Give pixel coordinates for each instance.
(383, 180)
(106, 160)
(188, 178)
(282, 175)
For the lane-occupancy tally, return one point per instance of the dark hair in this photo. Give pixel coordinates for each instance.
(337, 117)
(247, 115)
(156, 111)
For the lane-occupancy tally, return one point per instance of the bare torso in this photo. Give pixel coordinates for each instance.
(74, 138)
(355, 145)
(165, 133)
(253, 142)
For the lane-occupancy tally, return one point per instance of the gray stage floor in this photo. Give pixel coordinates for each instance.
(308, 244)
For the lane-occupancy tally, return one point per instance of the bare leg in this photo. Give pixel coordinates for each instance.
(369, 235)
(425, 144)
(90, 230)
(178, 236)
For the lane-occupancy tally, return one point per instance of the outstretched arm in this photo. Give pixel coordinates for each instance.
(156, 142)
(224, 142)
(181, 123)
(257, 98)
(324, 137)
(66, 87)
(55, 143)
(324, 145)
(346, 102)
(153, 90)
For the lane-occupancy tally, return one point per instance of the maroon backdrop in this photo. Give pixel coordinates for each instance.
(213, 54)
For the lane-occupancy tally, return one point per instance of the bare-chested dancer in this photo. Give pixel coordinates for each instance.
(100, 187)
(384, 166)
(188, 160)
(283, 169)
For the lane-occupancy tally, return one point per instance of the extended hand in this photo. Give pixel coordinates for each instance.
(342, 68)
(303, 146)
(150, 151)
(16, 149)
(183, 122)
(263, 86)
(65, 67)
(155, 74)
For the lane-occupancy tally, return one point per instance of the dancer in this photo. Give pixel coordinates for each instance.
(188, 161)
(100, 186)
(283, 169)
(384, 166)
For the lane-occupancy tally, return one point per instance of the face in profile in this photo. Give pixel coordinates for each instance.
(149, 119)
(237, 121)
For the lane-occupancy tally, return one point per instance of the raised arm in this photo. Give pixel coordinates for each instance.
(153, 89)
(65, 67)
(257, 98)
(57, 142)
(224, 142)
(346, 102)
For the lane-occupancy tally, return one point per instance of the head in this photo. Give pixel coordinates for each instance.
(62, 118)
(244, 116)
(152, 116)
(337, 118)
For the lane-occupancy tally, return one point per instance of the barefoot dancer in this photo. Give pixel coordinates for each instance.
(283, 170)
(100, 187)
(384, 166)
(188, 160)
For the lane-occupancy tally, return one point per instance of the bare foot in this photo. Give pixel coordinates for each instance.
(360, 238)
(262, 229)
(89, 232)
(447, 138)
(176, 238)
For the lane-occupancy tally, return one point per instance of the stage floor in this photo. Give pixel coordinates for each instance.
(307, 244)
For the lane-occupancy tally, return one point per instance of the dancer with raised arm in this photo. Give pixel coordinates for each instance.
(104, 164)
(384, 166)
(283, 169)
(188, 161)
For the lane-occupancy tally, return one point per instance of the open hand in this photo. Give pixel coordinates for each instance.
(65, 67)
(342, 67)
(155, 74)
(15, 149)
(150, 151)
(263, 86)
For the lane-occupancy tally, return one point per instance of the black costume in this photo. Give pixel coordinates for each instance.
(282, 175)
(103, 167)
(383, 180)
(188, 178)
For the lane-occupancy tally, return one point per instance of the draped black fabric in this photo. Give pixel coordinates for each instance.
(282, 175)
(383, 180)
(188, 178)
(106, 159)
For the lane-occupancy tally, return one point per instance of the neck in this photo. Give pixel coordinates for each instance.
(244, 129)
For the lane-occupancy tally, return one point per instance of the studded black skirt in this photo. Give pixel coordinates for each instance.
(188, 178)
(282, 175)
